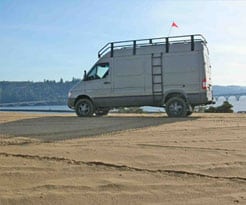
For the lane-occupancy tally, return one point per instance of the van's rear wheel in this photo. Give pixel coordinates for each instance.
(84, 108)
(176, 107)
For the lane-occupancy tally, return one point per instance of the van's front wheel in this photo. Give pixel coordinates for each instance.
(176, 107)
(84, 108)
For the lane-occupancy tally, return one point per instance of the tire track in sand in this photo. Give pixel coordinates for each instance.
(121, 167)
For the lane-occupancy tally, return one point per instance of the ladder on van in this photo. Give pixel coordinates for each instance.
(157, 77)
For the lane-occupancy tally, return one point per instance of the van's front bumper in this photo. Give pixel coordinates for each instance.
(71, 103)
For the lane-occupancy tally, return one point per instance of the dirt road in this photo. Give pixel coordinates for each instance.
(124, 159)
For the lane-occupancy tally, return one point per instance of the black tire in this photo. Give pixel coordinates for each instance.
(176, 107)
(84, 108)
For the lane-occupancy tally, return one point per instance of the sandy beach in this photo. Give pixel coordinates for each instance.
(122, 159)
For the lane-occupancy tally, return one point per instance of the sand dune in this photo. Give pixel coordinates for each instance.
(122, 159)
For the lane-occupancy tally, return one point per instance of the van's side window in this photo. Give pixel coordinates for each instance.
(99, 71)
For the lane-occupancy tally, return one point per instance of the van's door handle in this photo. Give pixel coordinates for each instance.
(106, 82)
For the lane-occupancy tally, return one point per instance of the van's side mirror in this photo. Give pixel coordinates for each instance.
(85, 76)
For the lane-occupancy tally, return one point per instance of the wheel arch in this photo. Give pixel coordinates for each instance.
(175, 93)
(82, 97)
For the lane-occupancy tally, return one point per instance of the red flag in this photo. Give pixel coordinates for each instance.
(174, 25)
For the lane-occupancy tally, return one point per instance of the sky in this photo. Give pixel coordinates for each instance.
(54, 39)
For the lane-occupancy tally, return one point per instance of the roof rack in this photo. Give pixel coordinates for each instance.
(151, 41)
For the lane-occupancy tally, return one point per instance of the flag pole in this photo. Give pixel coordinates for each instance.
(169, 31)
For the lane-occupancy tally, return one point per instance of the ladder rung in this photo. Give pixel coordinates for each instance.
(157, 65)
(156, 74)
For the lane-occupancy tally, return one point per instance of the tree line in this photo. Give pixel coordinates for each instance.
(48, 91)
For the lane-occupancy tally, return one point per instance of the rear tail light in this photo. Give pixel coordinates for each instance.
(204, 84)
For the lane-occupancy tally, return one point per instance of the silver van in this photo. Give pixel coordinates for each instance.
(172, 72)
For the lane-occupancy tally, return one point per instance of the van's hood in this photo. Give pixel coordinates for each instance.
(77, 89)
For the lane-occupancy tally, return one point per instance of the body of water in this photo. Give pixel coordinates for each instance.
(48, 108)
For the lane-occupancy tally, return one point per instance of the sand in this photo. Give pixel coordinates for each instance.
(122, 159)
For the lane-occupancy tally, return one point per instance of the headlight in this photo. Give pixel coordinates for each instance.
(69, 94)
